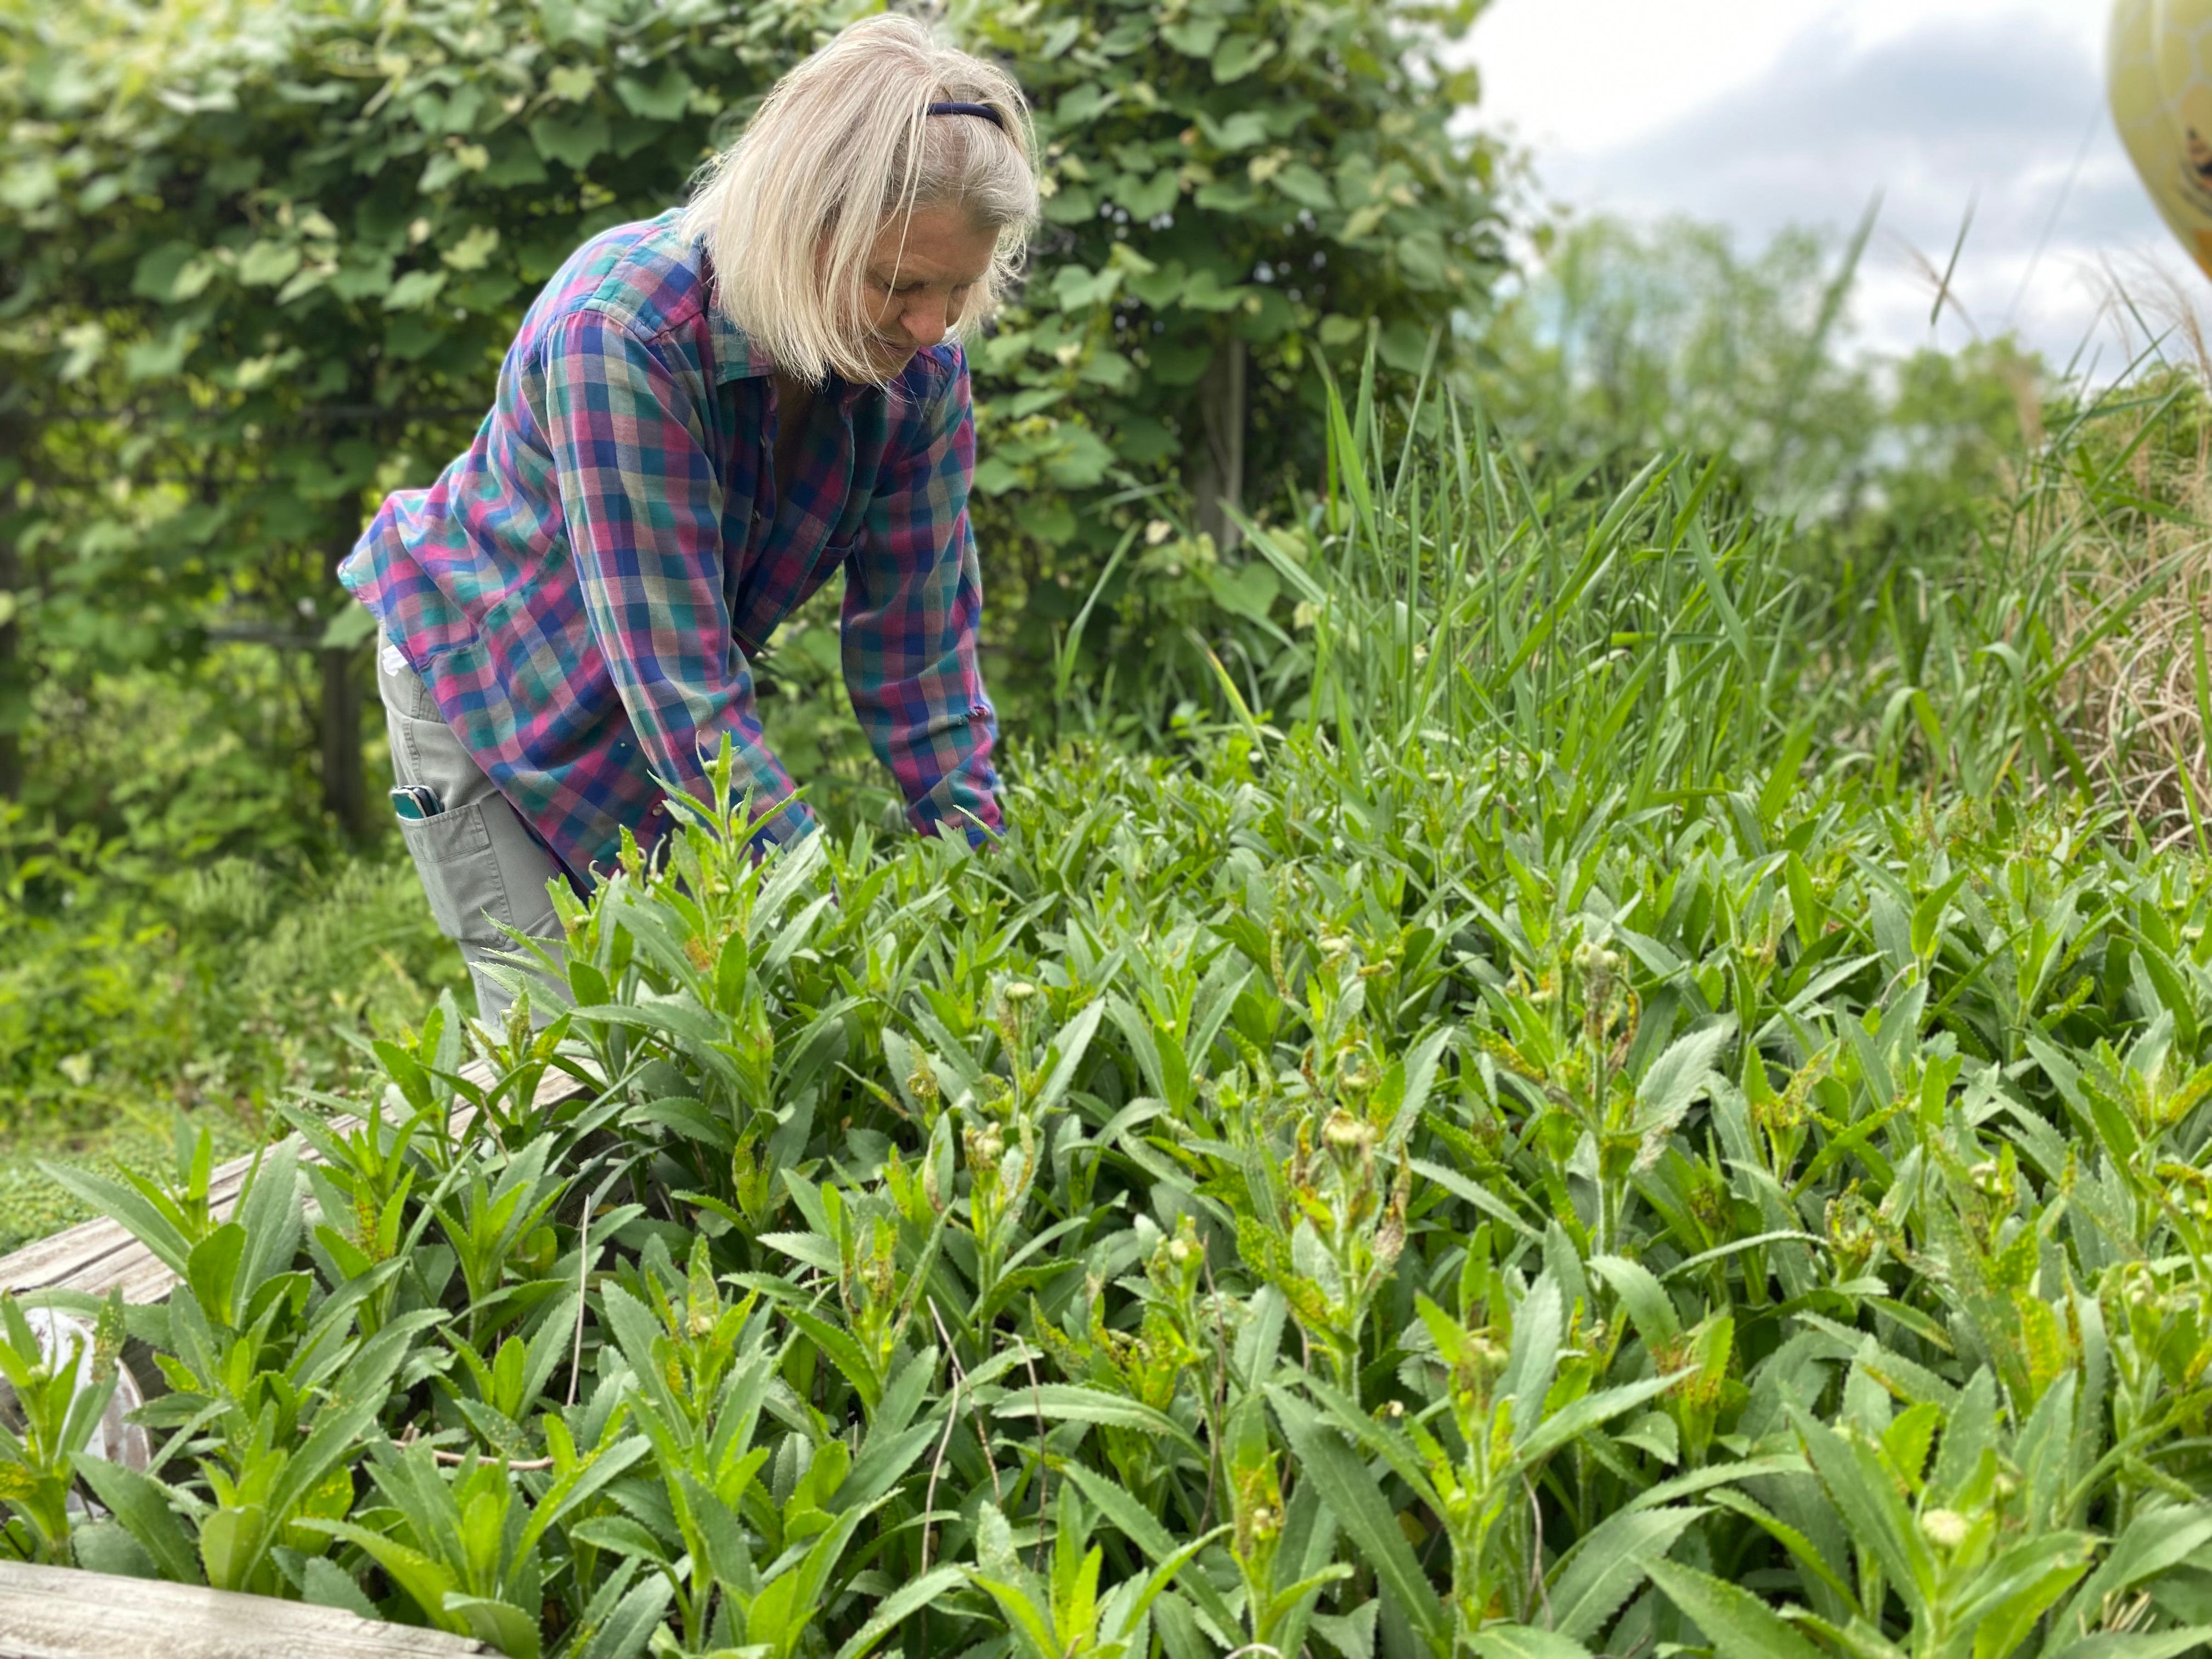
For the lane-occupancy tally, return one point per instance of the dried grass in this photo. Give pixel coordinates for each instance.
(2134, 704)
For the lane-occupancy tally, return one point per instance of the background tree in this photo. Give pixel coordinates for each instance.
(261, 262)
(1237, 187)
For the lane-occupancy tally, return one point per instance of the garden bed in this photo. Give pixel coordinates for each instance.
(1545, 1156)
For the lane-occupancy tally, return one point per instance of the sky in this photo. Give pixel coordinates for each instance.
(1758, 114)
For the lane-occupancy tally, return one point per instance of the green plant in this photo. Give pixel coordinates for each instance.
(1510, 1156)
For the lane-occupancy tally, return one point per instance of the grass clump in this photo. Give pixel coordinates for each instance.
(134, 981)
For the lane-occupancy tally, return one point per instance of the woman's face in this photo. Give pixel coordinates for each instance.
(918, 278)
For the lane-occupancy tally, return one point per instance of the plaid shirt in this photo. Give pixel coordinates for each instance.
(581, 589)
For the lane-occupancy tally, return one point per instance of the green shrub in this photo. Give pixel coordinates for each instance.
(131, 981)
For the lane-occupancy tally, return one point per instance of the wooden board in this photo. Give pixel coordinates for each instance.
(96, 1256)
(64, 1612)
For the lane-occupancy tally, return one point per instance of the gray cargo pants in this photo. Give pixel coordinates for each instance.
(479, 866)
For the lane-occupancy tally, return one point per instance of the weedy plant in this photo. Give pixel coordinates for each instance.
(1540, 1150)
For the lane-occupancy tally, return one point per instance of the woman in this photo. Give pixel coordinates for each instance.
(702, 417)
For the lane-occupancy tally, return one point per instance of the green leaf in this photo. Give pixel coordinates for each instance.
(661, 97)
(2156, 1541)
(154, 276)
(426, 1582)
(902, 1603)
(506, 1627)
(1524, 1642)
(1302, 185)
(1642, 1296)
(1149, 197)
(264, 264)
(1739, 1624)
(1194, 37)
(631, 1622)
(105, 1547)
(474, 251)
(578, 1485)
(414, 290)
(1144, 1529)
(570, 139)
(1239, 55)
(1066, 1402)
(326, 1584)
(842, 1350)
(1606, 1564)
(232, 1544)
(1571, 1422)
(1680, 1074)
(1354, 1498)
(212, 1272)
(1075, 288)
(1928, 915)
(351, 625)
(1872, 1507)
(112, 1199)
(141, 1503)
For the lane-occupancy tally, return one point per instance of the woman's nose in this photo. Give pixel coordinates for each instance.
(926, 323)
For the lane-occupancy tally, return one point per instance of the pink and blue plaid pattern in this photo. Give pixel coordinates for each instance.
(580, 590)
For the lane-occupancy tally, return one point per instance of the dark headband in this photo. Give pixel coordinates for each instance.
(983, 110)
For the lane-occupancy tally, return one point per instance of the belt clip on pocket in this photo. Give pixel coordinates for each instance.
(414, 802)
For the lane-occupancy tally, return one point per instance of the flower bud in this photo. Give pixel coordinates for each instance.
(1344, 1133)
(1945, 1528)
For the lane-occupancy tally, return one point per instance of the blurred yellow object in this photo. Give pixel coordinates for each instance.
(2159, 79)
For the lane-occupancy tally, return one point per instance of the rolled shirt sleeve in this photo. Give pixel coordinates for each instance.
(914, 600)
(643, 510)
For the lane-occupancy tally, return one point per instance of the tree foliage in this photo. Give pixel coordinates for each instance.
(261, 262)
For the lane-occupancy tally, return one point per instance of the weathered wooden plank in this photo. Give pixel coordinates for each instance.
(61, 1613)
(98, 1255)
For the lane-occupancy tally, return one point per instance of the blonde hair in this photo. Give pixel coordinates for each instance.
(842, 146)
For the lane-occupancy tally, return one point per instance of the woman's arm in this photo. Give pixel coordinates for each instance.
(644, 516)
(913, 601)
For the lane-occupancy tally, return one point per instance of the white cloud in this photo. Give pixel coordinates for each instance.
(1793, 111)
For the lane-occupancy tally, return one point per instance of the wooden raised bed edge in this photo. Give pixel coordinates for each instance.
(66, 1612)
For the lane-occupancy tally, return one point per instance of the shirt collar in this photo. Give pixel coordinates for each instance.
(737, 357)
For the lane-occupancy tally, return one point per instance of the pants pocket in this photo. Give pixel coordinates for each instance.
(460, 871)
